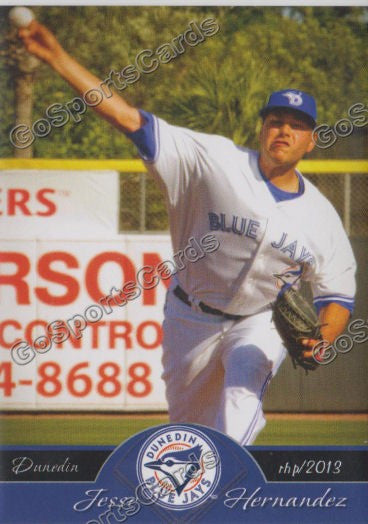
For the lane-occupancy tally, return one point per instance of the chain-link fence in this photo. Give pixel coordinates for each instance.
(142, 206)
(143, 210)
(349, 195)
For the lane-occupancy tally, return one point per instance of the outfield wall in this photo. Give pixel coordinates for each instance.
(60, 252)
(60, 255)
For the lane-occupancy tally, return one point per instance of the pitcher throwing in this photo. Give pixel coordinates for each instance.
(220, 347)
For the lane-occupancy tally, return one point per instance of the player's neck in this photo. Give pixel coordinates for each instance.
(283, 177)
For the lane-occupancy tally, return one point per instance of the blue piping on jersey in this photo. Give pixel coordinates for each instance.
(320, 302)
(146, 137)
(335, 295)
(279, 194)
(249, 433)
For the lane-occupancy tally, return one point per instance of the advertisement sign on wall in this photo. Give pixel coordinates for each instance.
(78, 346)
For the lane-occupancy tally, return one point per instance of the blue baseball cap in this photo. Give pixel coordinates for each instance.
(292, 99)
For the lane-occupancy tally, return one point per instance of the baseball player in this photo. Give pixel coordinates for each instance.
(220, 346)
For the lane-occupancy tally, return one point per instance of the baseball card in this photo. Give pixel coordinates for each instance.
(184, 237)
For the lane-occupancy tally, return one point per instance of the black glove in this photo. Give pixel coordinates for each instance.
(296, 319)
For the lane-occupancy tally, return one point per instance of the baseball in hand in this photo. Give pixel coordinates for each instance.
(21, 16)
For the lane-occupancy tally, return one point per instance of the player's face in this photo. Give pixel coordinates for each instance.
(285, 138)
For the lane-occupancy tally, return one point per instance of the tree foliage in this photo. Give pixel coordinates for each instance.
(217, 86)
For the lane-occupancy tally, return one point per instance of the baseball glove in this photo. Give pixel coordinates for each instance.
(296, 319)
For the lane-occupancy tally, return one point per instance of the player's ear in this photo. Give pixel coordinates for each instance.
(259, 128)
(312, 142)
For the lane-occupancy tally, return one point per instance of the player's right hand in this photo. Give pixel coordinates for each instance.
(39, 41)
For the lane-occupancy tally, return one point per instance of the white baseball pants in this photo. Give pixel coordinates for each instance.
(216, 371)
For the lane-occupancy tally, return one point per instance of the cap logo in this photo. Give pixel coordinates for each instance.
(295, 99)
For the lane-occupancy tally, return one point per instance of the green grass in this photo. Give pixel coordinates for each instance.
(314, 433)
(94, 430)
(84, 430)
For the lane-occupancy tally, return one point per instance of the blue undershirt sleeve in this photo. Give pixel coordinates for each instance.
(145, 138)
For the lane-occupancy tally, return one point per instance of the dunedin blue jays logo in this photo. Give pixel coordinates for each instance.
(179, 466)
(295, 99)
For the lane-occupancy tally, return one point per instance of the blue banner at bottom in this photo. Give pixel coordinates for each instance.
(182, 473)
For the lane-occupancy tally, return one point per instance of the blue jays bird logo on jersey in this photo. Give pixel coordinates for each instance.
(295, 99)
(290, 275)
(179, 466)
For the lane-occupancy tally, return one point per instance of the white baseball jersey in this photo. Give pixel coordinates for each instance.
(212, 185)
